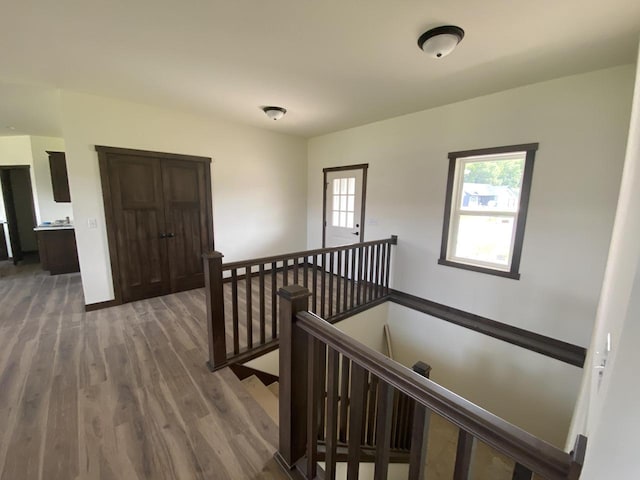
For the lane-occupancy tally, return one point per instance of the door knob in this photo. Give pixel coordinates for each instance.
(170, 235)
(355, 233)
(163, 235)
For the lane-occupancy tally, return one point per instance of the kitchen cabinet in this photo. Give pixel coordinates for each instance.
(59, 177)
(57, 246)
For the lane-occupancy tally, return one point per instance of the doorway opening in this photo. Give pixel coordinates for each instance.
(344, 200)
(18, 240)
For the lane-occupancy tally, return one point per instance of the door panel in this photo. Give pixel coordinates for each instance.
(137, 196)
(343, 207)
(185, 200)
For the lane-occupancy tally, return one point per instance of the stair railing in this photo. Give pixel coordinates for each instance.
(313, 353)
(241, 297)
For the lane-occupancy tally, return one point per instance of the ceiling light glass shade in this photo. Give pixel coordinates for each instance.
(274, 113)
(440, 42)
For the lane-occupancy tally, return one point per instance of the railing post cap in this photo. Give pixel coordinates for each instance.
(292, 292)
(213, 254)
(422, 368)
(394, 239)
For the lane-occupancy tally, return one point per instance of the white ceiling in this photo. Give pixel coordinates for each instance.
(332, 63)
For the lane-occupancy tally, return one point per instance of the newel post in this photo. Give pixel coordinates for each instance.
(293, 380)
(215, 310)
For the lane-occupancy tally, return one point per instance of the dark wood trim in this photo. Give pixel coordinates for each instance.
(359, 309)
(525, 193)
(105, 181)
(393, 240)
(243, 372)
(150, 153)
(523, 147)
(361, 166)
(550, 347)
(92, 307)
(521, 446)
(15, 167)
(103, 163)
(476, 268)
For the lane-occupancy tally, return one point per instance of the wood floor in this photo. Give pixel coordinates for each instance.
(121, 393)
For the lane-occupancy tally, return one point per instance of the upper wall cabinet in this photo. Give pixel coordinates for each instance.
(59, 177)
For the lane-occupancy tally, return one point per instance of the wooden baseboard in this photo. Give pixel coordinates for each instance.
(91, 307)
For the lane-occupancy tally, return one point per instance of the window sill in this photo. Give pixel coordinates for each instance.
(474, 268)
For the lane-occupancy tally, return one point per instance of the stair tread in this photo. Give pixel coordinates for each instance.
(265, 397)
(274, 388)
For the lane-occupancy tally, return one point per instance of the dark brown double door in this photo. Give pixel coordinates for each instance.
(159, 220)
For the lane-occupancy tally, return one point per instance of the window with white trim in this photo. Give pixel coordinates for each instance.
(486, 209)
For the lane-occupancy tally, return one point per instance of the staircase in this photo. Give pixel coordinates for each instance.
(265, 395)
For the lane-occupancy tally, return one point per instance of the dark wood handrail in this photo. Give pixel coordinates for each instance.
(526, 449)
(393, 240)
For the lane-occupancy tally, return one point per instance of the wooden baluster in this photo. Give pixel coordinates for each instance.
(356, 415)
(321, 378)
(464, 456)
(305, 272)
(263, 321)
(331, 260)
(345, 293)
(332, 413)
(387, 270)
(234, 306)
(365, 408)
(285, 272)
(274, 300)
(380, 255)
(520, 472)
(338, 278)
(248, 298)
(383, 268)
(323, 292)
(296, 267)
(293, 376)
(353, 277)
(419, 433)
(344, 398)
(314, 282)
(375, 265)
(359, 277)
(383, 430)
(366, 282)
(216, 327)
(313, 406)
(371, 411)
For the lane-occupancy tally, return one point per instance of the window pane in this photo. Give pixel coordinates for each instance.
(492, 185)
(352, 186)
(343, 202)
(336, 219)
(343, 185)
(343, 219)
(350, 220)
(350, 203)
(487, 239)
(336, 202)
(336, 186)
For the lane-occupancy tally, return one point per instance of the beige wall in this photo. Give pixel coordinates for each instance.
(607, 410)
(581, 124)
(259, 178)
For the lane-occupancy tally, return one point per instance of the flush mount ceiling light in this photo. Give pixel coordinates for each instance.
(274, 113)
(440, 41)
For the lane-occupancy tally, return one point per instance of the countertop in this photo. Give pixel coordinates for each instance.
(44, 228)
